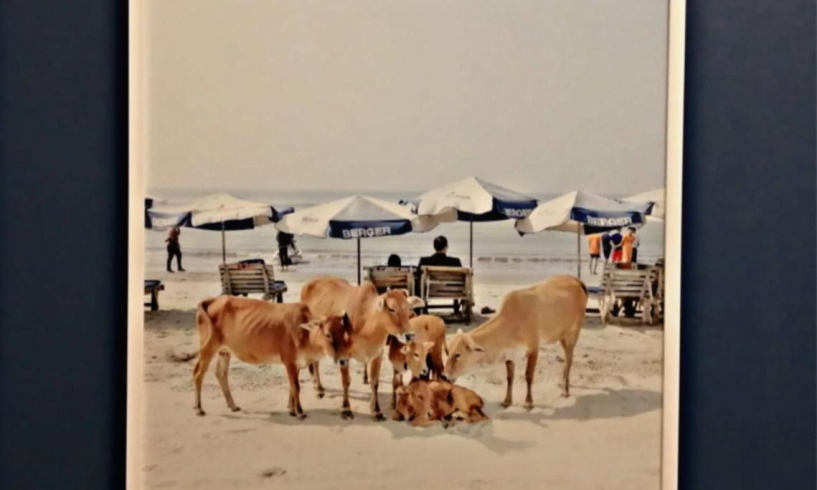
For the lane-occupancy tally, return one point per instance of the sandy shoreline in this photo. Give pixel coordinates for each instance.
(605, 436)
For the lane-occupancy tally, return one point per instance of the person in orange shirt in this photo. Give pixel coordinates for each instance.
(627, 246)
(594, 244)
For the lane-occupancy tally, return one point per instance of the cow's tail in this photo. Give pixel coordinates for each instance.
(204, 324)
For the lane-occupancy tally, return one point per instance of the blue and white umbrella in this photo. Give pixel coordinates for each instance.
(657, 196)
(354, 218)
(473, 200)
(217, 212)
(583, 213)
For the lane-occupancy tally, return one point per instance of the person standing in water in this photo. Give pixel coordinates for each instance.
(285, 240)
(174, 249)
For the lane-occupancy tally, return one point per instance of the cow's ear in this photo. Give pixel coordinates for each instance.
(381, 302)
(310, 326)
(415, 302)
(404, 291)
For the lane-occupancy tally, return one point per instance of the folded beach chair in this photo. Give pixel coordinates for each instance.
(631, 289)
(251, 278)
(152, 287)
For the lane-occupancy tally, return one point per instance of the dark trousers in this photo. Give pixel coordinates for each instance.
(283, 256)
(635, 255)
(174, 250)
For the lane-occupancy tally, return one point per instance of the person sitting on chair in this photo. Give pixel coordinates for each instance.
(394, 261)
(440, 258)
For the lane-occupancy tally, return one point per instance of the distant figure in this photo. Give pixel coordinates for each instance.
(440, 258)
(594, 245)
(285, 240)
(606, 246)
(394, 261)
(615, 241)
(174, 249)
(636, 243)
(627, 246)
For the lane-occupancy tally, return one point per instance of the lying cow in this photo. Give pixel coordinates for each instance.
(423, 402)
(550, 311)
(373, 318)
(259, 332)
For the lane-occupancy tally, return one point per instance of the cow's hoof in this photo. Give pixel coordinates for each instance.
(293, 414)
(301, 416)
(505, 404)
(565, 395)
(200, 412)
(528, 406)
(236, 409)
(347, 415)
(321, 394)
(378, 417)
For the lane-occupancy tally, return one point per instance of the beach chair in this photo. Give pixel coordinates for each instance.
(152, 287)
(251, 278)
(629, 289)
(385, 278)
(450, 284)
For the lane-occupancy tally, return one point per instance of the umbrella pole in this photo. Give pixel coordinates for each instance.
(471, 242)
(358, 261)
(223, 245)
(579, 248)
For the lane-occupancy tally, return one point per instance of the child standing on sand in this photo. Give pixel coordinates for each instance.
(174, 249)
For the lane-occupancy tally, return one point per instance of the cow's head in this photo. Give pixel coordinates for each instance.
(463, 355)
(334, 335)
(414, 355)
(395, 308)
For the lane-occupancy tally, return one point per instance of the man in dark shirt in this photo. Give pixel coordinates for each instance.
(440, 258)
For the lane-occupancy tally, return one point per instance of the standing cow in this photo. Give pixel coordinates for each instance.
(550, 311)
(373, 318)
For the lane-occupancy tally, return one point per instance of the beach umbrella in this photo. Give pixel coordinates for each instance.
(657, 196)
(472, 200)
(583, 213)
(355, 218)
(217, 212)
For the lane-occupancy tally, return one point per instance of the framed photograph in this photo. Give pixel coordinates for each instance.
(402, 244)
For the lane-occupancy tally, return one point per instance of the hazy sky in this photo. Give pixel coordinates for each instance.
(537, 95)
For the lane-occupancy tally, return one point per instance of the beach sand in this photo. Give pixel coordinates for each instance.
(607, 435)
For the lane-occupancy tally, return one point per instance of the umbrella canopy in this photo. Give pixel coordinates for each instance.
(211, 212)
(657, 196)
(354, 218)
(218, 212)
(473, 200)
(583, 213)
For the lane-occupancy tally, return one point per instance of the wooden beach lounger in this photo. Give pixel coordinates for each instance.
(152, 287)
(251, 278)
(384, 277)
(448, 283)
(631, 289)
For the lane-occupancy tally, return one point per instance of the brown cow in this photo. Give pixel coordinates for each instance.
(410, 357)
(373, 318)
(423, 402)
(259, 332)
(550, 311)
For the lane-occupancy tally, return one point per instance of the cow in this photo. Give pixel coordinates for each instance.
(410, 357)
(450, 401)
(260, 332)
(550, 311)
(422, 402)
(373, 318)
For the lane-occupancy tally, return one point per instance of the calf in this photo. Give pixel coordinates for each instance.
(550, 311)
(259, 332)
(410, 357)
(422, 402)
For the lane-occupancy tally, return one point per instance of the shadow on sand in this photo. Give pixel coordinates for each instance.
(594, 406)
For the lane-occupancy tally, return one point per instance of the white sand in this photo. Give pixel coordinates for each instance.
(605, 436)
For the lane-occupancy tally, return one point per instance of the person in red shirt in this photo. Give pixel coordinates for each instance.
(594, 245)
